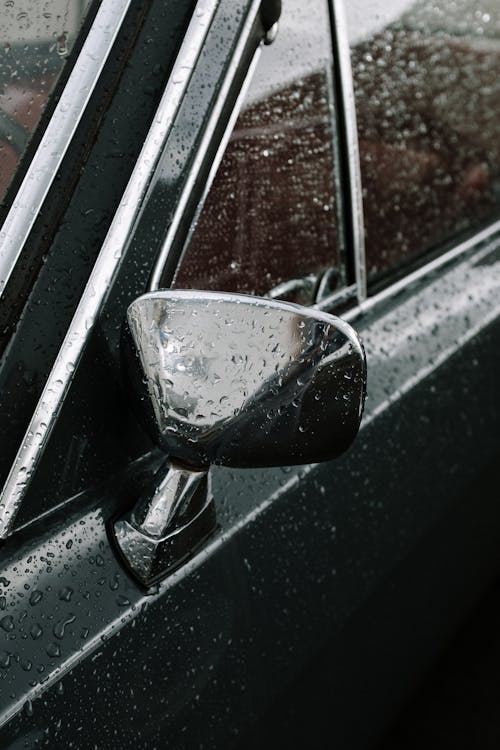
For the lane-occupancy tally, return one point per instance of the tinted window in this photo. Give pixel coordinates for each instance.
(270, 216)
(36, 38)
(427, 87)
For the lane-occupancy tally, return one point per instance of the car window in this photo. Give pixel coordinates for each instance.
(427, 95)
(269, 223)
(36, 39)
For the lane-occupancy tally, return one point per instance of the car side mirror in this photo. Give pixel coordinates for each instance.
(234, 380)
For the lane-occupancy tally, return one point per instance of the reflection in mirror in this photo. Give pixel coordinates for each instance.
(243, 381)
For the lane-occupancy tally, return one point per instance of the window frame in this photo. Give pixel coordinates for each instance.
(130, 231)
(58, 134)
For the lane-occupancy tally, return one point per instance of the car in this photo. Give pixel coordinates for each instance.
(335, 164)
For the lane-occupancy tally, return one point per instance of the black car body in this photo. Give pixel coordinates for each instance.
(366, 184)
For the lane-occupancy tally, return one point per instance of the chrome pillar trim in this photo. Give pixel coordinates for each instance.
(348, 113)
(61, 375)
(59, 133)
(156, 275)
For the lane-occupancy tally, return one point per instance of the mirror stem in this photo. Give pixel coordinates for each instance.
(166, 525)
(160, 512)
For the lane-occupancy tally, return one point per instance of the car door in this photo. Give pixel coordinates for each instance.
(327, 588)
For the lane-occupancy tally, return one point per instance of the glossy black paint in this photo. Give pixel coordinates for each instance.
(223, 636)
(347, 576)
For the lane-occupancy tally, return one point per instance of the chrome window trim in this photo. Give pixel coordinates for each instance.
(352, 165)
(59, 134)
(341, 297)
(473, 245)
(422, 274)
(61, 375)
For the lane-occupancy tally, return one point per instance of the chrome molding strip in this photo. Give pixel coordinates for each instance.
(337, 298)
(157, 272)
(61, 375)
(425, 272)
(59, 133)
(355, 196)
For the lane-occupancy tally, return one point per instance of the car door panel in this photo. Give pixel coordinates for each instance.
(242, 619)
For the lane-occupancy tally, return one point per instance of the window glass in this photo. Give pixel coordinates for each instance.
(36, 37)
(427, 88)
(270, 216)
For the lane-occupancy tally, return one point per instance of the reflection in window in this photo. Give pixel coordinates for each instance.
(36, 37)
(428, 95)
(270, 216)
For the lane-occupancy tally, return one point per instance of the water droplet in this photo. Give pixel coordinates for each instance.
(36, 597)
(53, 650)
(65, 594)
(60, 627)
(7, 623)
(36, 631)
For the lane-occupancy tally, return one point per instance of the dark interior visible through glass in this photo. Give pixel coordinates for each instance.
(427, 88)
(269, 222)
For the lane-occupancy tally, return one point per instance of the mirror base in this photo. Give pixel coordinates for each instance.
(150, 556)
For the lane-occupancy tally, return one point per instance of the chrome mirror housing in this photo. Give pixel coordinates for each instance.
(228, 379)
(243, 381)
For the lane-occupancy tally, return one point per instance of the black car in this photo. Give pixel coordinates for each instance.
(230, 161)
